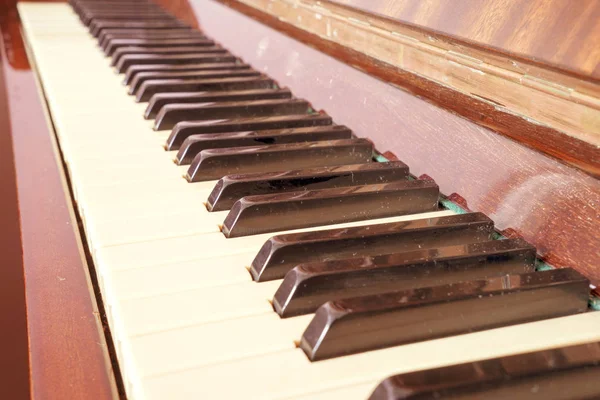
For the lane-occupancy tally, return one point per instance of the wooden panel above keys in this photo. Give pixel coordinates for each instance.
(560, 373)
(239, 70)
(231, 188)
(345, 326)
(159, 100)
(196, 143)
(170, 115)
(281, 253)
(213, 164)
(283, 211)
(183, 130)
(152, 42)
(152, 87)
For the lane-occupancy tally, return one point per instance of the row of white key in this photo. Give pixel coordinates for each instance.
(186, 317)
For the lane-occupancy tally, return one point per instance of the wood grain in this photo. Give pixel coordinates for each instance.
(555, 207)
(558, 32)
(67, 350)
(526, 100)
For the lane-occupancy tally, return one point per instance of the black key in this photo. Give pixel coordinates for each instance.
(196, 143)
(208, 46)
(159, 100)
(135, 70)
(216, 163)
(307, 286)
(294, 210)
(152, 87)
(557, 374)
(173, 114)
(108, 35)
(97, 27)
(231, 188)
(195, 58)
(281, 253)
(118, 43)
(189, 75)
(183, 130)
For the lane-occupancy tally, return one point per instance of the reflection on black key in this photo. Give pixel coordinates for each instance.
(216, 163)
(141, 59)
(203, 74)
(307, 286)
(183, 130)
(97, 27)
(207, 47)
(281, 253)
(118, 43)
(172, 114)
(133, 71)
(231, 188)
(159, 100)
(294, 210)
(557, 374)
(196, 143)
(108, 35)
(152, 87)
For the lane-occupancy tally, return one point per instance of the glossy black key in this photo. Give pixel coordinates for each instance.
(135, 70)
(96, 27)
(189, 75)
(172, 114)
(118, 43)
(214, 164)
(158, 101)
(126, 15)
(207, 47)
(281, 253)
(556, 374)
(231, 188)
(196, 143)
(353, 325)
(176, 59)
(109, 35)
(183, 130)
(152, 87)
(294, 210)
(307, 286)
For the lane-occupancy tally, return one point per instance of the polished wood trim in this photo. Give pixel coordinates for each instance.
(527, 194)
(68, 356)
(530, 102)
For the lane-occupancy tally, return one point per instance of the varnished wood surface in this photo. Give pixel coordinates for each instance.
(558, 32)
(67, 351)
(526, 193)
(532, 102)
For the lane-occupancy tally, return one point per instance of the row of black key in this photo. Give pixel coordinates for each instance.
(281, 165)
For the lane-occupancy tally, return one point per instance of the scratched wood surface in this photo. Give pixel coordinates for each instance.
(554, 206)
(68, 358)
(559, 32)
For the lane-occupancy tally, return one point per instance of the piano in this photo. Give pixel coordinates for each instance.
(300, 199)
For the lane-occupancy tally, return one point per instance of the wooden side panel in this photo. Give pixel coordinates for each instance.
(562, 33)
(553, 206)
(67, 351)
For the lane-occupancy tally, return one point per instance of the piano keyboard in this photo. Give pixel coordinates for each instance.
(317, 273)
